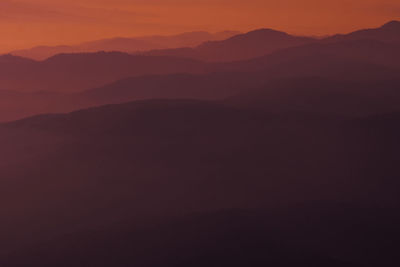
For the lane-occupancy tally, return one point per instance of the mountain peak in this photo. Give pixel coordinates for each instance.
(394, 24)
(265, 31)
(259, 34)
(13, 58)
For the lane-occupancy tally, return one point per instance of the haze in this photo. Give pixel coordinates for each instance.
(218, 133)
(25, 23)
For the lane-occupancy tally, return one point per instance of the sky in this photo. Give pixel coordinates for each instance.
(26, 23)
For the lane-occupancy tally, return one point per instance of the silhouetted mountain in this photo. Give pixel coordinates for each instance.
(211, 86)
(240, 47)
(171, 158)
(339, 92)
(390, 32)
(75, 72)
(287, 159)
(17, 105)
(362, 63)
(325, 96)
(233, 238)
(355, 59)
(190, 39)
(9, 61)
(361, 59)
(316, 94)
(120, 44)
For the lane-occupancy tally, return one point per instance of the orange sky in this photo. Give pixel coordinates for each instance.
(24, 23)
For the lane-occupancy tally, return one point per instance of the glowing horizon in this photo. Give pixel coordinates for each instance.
(27, 23)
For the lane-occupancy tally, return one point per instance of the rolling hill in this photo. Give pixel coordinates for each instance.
(75, 72)
(127, 45)
(389, 32)
(240, 47)
(138, 163)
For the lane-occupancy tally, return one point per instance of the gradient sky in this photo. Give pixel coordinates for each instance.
(25, 23)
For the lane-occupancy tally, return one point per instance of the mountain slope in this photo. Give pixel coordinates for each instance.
(171, 158)
(210, 86)
(244, 46)
(225, 238)
(146, 43)
(75, 72)
(389, 32)
(360, 59)
(323, 96)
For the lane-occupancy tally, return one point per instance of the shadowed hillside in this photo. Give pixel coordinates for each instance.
(173, 158)
(240, 47)
(127, 45)
(75, 72)
(98, 79)
(390, 32)
(323, 95)
(361, 59)
(287, 157)
(238, 239)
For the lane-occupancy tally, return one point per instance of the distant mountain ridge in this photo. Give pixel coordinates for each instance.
(123, 44)
(222, 46)
(262, 42)
(356, 59)
(75, 72)
(239, 47)
(66, 82)
(389, 32)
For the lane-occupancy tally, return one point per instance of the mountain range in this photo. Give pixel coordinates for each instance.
(389, 32)
(239, 47)
(71, 81)
(75, 72)
(265, 41)
(127, 45)
(263, 149)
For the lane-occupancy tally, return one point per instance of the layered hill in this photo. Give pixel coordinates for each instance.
(287, 157)
(240, 47)
(75, 72)
(389, 32)
(68, 82)
(102, 169)
(355, 59)
(121, 44)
